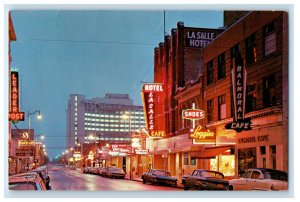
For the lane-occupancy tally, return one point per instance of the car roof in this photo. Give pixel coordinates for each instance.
(159, 170)
(268, 170)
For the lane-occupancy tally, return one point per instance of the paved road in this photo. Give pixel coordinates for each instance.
(71, 180)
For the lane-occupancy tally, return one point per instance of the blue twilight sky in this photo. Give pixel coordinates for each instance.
(58, 53)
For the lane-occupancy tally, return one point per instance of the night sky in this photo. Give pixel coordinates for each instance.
(58, 53)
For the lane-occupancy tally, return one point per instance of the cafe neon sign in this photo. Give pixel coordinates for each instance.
(202, 136)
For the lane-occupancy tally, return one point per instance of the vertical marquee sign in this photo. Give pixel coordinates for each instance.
(149, 90)
(239, 75)
(14, 113)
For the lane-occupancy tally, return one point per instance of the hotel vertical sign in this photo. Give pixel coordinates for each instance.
(239, 76)
(149, 91)
(14, 113)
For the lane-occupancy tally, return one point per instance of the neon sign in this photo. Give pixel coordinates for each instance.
(203, 136)
(15, 114)
(149, 91)
(193, 114)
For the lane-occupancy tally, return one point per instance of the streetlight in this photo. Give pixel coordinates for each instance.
(125, 116)
(39, 117)
(35, 146)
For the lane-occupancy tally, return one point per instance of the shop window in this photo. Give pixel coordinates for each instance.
(221, 107)
(210, 108)
(269, 39)
(210, 72)
(233, 53)
(251, 98)
(221, 66)
(193, 161)
(246, 159)
(263, 150)
(186, 158)
(269, 91)
(251, 54)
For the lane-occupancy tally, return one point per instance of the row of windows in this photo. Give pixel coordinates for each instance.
(110, 129)
(116, 120)
(112, 116)
(113, 125)
(109, 138)
(269, 46)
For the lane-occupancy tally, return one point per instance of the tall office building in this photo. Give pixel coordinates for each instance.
(107, 119)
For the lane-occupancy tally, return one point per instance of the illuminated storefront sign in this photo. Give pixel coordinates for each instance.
(158, 134)
(193, 114)
(24, 152)
(141, 151)
(26, 143)
(239, 76)
(14, 113)
(91, 155)
(203, 136)
(199, 38)
(149, 91)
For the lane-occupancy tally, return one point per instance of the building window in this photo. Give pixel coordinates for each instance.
(246, 159)
(269, 91)
(273, 156)
(251, 98)
(210, 72)
(269, 39)
(210, 110)
(221, 66)
(186, 158)
(251, 54)
(233, 53)
(193, 161)
(221, 107)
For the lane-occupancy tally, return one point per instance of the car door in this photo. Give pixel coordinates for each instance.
(242, 183)
(252, 182)
(258, 182)
(192, 179)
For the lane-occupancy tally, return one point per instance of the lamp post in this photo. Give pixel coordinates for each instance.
(28, 116)
(130, 138)
(35, 146)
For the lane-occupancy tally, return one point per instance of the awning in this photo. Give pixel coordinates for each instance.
(212, 152)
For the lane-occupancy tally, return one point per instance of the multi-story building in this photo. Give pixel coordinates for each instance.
(261, 38)
(101, 121)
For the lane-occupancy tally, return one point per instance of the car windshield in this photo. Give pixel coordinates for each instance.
(117, 170)
(211, 174)
(160, 172)
(274, 175)
(22, 186)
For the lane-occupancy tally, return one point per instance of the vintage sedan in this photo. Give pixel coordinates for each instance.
(43, 173)
(155, 176)
(26, 181)
(205, 180)
(115, 173)
(260, 179)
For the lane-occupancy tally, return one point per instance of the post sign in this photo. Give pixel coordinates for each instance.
(193, 114)
(149, 90)
(199, 38)
(201, 135)
(239, 76)
(14, 113)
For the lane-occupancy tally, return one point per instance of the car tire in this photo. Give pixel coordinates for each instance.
(230, 188)
(185, 188)
(144, 181)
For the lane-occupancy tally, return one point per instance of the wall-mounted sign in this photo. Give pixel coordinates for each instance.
(141, 151)
(149, 90)
(193, 114)
(201, 135)
(26, 143)
(239, 76)
(157, 134)
(24, 152)
(199, 38)
(14, 113)
(25, 135)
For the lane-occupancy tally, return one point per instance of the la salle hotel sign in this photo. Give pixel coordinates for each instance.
(149, 91)
(14, 113)
(239, 76)
(199, 38)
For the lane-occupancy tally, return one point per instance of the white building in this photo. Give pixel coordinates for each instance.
(102, 119)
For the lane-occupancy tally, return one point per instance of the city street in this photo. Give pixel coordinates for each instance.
(66, 179)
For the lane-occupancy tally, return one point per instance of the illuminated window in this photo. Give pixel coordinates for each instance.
(251, 52)
(75, 98)
(269, 91)
(186, 158)
(75, 104)
(251, 98)
(193, 161)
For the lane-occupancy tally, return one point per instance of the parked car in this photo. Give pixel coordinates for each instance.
(205, 180)
(43, 173)
(113, 172)
(155, 176)
(26, 181)
(105, 171)
(260, 179)
(101, 170)
(86, 170)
